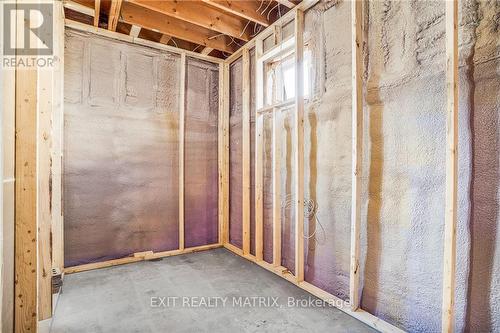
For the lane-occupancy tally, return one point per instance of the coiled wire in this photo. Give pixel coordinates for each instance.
(311, 209)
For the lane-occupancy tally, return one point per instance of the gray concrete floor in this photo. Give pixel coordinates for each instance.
(120, 298)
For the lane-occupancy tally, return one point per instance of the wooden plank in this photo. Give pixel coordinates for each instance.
(80, 8)
(114, 14)
(340, 304)
(246, 150)
(202, 15)
(357, 149)
(244, 9)
(299, 144)
(139, 41)
(57, 139)
(8, 105)
(182, 110)
(26, 270)
(449, 259)
(44, 206)
(146, 18)
(134, 31)
(276, 135)
(223, 149)
(225, 152)
(146, 255)
(165, 39)
(259, 151)
(97, 12)
(206, 50)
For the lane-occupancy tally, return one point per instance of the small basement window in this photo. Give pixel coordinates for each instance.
(280, 78)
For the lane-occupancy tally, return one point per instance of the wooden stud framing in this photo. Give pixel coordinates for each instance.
(449, 259)
(244, 9)
(114, 14)
(139, 256)
(135, 31)
(97, 12)
(26, 235)
(259, 141)
(57, 139)
(139, 41)
(246, 150)
(206, 50)
(201, 14)
(182, 109)
(357, 146)
(299, 144)
(152, 20)
(223, 153)
(276, 189)
(43, 175)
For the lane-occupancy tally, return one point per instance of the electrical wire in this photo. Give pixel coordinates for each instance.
(311, 209)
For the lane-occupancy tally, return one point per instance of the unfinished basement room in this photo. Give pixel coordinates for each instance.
(250, 166)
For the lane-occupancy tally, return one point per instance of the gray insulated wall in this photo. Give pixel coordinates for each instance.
(404, 161)
(200, 154)
(120, 149)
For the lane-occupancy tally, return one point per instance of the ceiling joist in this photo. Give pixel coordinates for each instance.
(197, 12)
(114, 14)
(152, 20)
(248, 10)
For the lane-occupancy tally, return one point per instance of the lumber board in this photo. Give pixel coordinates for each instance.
(450, 226)
(146, 255)
(182, 118)
(246, 150)
(299, 144)
(357, 151)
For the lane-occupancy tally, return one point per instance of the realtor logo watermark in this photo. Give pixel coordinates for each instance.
(27, 34)
(243, 302)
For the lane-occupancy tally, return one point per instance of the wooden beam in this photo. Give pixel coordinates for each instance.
(146, 18)
(84, 8)
(299, 144)
(243, 9)
(114, 14)
(139, 41)
(97, 12)
(246, 150)
(357, 148)
(206, 50)
(135, 31)
(141, 256)
(259, 151)
(26, 235)
(165, 39)
(182, 111)
(223, 148)
(201, 14)
(450, 226)
(276, 189)
(44, 207)
(57, 139)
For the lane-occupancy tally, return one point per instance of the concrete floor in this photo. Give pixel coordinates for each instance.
(120, 298)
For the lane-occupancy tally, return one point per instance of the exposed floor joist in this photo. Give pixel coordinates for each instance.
(197, 12)
(205, 26)
(114, 14)
(171, 26)
(244, 9)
